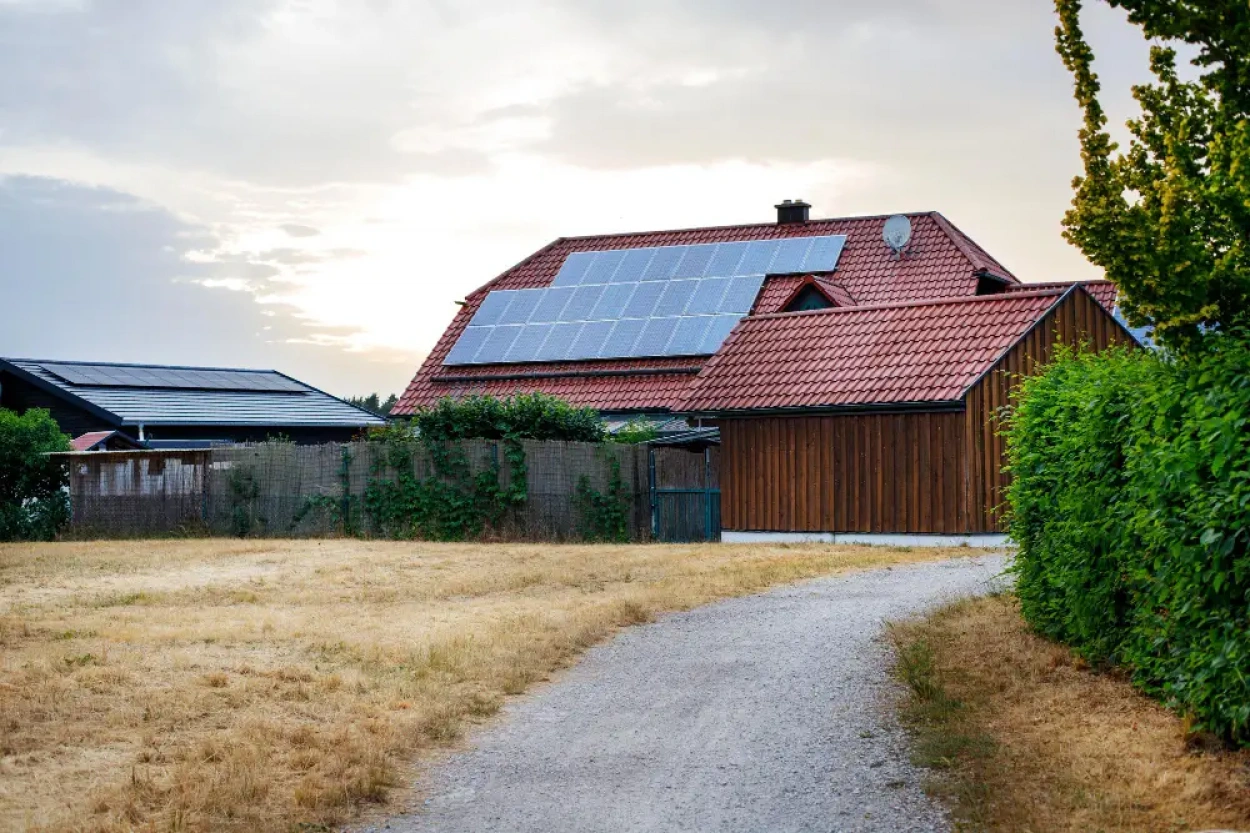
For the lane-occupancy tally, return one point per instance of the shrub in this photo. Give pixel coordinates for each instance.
(33, 503)
(527, 416)
(1130, 502)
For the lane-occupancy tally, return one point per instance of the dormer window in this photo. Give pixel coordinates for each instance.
(808, 298)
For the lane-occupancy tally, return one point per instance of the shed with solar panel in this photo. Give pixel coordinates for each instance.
(169, 406)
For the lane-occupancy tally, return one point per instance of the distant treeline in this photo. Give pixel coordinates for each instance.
(374, 403)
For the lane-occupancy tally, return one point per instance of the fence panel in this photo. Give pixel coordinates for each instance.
(285, 490)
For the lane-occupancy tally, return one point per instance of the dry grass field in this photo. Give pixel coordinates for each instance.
(1023, 738)
(294, 685)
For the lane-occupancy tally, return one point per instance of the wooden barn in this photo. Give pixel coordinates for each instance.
(878, 423)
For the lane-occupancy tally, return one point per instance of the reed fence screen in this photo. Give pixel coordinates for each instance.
(281, 490)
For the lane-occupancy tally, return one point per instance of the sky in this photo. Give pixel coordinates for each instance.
(310, 185)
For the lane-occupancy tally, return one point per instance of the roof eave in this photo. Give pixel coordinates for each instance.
(804, 410)
(61, 393)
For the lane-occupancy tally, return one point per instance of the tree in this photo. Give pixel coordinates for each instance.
(374, 404)
(1169, 220)
(33, 502)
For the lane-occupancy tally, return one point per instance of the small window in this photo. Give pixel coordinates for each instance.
(808, 298)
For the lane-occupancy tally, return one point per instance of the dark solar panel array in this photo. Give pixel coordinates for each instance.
(118, 376)
(636, 303)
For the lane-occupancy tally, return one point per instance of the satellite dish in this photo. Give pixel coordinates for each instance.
(897, 233)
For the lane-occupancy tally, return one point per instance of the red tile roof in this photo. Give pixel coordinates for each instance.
(90, 440)
(1104, 292)
(925, 351)
(940, 262)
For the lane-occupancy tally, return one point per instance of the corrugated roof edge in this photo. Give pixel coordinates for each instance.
(154, 366)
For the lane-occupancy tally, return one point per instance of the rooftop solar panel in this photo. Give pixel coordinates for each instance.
(491, 308)
(633, 265)
(552, 304)
(694, 262)
(603, 267)
(654, 338)
(663, 262)
(559, 342)
(642, 302)
(688, 338)
(790, 255)
(612, 303)
(824, 253)
(725, 262)
(467, 345)
(523, 303)
(676, 296)
(527, 344)
(497, 344)
(590, 340)
(620, 341)
(116, 376)
(717, 332)
(741, 294)
(582, 303)
(707, 296)
(574, 268)
(758, 257)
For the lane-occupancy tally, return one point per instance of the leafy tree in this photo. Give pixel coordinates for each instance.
(33, 503)
(1169, 220)
(373, 403)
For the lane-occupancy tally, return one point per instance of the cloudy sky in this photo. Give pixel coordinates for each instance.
(310, 185)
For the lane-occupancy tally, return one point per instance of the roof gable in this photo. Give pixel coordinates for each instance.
(888, 354)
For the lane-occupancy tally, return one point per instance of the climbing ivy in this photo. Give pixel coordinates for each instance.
(604, 515)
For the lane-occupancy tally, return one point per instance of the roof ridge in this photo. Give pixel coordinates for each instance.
(979, 258)
(137, 364)
(926, 302)
(852, 218)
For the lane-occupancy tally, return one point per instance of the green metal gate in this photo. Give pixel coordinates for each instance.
(685, 494)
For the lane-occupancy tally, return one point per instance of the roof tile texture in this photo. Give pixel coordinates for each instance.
(940, 262)
(886, 354)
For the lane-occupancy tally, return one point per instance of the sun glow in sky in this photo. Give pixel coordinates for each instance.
(311, 185)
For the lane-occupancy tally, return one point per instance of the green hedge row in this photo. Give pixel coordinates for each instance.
(1130, 502)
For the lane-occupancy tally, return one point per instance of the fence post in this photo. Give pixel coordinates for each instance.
(707, 494)
(651, 493)
(345, 478)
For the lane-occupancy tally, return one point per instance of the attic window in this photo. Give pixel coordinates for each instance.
(808, 298)
(989, 285)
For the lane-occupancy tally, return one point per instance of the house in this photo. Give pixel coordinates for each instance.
(625, 377)
(789, 337)
(104, 441)
(176, 407)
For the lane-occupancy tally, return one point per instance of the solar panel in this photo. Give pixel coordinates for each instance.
(642, 302)
(663, 262)
(790, 255)
(497, 344)
(551, 305)
(583, 301)
(172, 378)
(612, 303)
(725, 262)
(492, 306)
(688, 338)
(824, 254)
(655, 336)
(589, 342)
(676, 296)
(707, 296)
(694, 261)
(558, 342)
(523, 303)
(758, 257)
(574, 268)
(718, 331)
(620, 341)
(528, 343)
(633, 265)
(623, 303)
(741, 294)
(603, 267)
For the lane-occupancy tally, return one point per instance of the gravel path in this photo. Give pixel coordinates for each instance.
(761, 713)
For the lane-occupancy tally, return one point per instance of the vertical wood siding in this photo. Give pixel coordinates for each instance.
(847, 473)
(913, 472)
(1079, 320)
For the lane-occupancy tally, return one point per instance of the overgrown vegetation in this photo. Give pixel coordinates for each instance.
(1020, 734)
(1130, 502)
(460, 498)
(33, 501)
(374, 403)
(605, 515)
(1167, 219)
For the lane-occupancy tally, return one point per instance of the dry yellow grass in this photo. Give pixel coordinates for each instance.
(219, 685)
(1025, 739)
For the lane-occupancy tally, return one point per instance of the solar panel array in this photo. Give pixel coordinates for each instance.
(636, 303)
(121, 376)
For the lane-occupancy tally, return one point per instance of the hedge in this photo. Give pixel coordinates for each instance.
(1130, 502)
(33, 501)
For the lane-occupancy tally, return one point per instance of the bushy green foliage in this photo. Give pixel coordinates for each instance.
(1167, 219)
(527, 416)
(1130, 501)
(604, 515)
(33, 503)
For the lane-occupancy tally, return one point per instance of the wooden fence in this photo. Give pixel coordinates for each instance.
(283, 490)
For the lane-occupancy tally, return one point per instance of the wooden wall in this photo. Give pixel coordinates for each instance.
(910, 472)
(1078, 320)
(850, 473)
